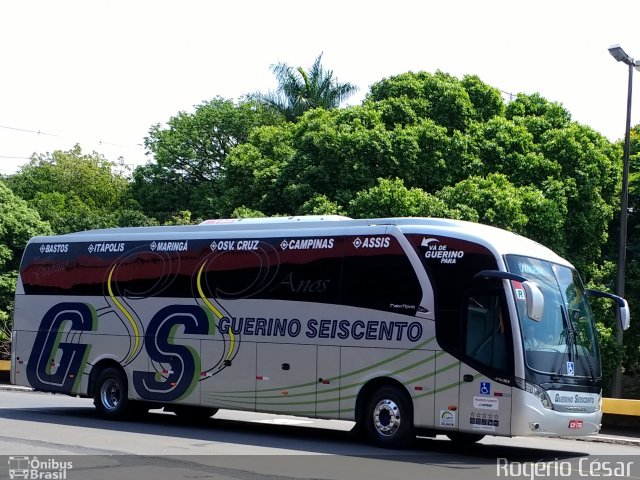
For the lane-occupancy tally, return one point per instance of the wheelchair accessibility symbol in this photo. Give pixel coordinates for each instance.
(570, 368)
(485, 388)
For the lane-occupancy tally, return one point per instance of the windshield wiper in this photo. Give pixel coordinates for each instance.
(593, 374)
(572, 344)
(585, 352)
(569, 341)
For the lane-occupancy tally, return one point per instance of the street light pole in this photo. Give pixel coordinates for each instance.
(621, 56)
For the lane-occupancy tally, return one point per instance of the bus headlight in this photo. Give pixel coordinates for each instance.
(537, 391)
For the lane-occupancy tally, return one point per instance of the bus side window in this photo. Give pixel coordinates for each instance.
(380, 281)
(486, 331)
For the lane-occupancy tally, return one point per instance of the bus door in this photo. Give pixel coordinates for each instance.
(484, 405)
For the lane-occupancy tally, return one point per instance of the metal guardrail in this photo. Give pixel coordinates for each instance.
(621, 406)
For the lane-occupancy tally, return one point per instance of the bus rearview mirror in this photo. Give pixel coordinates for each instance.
(533, 294)
(623, 305)
(625, 316)
(534, 299)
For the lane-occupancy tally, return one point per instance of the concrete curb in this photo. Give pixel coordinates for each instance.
(15, 388)
(605, 438)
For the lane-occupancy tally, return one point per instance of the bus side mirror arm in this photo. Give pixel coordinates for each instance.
(625, 316)
(533, 294)
(500, 275)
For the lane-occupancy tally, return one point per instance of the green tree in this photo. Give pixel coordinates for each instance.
(493, 200)
(506, 147)
(340, 152)
(537, 114)
(188, 153)
(487, 100)
(331, 153)
(75, 191)
(244, 212)
(300, 90)
(18, 223)
(390, 198)
(337, 153)
(632, 283)
(402, 131)
(439, 96)
(320, 205)
(590, 171)
(252, 174)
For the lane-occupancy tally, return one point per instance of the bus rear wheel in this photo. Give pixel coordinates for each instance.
(388, 420)
(111, 395)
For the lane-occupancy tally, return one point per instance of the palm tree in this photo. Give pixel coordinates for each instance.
(299, 90)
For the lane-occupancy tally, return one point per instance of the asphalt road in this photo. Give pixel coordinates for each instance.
(57, 429)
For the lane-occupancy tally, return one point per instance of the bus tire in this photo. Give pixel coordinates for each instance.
(388, 420)
(192, 413)
(465, 438)
(111, 394)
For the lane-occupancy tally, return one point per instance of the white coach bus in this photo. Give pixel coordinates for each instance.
(404, 325)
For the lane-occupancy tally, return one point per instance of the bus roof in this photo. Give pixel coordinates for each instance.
(499, 240)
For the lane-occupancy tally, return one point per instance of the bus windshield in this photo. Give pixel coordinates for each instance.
(564, 341)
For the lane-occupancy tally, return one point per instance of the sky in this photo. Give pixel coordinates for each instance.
(101, 73)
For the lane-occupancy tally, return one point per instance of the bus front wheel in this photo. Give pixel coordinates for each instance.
(389, 418)
(110, 395)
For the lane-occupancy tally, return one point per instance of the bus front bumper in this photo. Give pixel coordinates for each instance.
(531, 418)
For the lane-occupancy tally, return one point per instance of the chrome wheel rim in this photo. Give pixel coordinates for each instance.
(386, 417)
(110, 394)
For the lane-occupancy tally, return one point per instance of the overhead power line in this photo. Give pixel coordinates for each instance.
(13, 157)
(26, 130)
(40, 132)
(6, 159)
(510, 95)
(100, 142)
